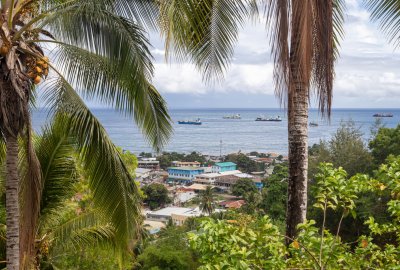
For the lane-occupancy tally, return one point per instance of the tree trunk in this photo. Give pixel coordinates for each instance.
(12, 203)
(298, 158)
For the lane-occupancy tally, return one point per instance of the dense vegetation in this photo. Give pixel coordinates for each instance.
(156, 195)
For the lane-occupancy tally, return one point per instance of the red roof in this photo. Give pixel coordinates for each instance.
(233, 204)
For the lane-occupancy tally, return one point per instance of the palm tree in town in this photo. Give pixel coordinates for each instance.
(93, 48)
(207, 200)
(304, 37)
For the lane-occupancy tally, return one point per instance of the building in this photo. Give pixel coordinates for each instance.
(183, 175)
(178, 215)
(142, 174)
(207, 178)
(232, 204)
(183, 195)
(224, 167)
(149, 163)
(186, 164)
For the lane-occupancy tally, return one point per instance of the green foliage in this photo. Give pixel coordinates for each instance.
(170, 251)
(385, 143)
(244, 163)
(248, 243)
(334, 190)
(87, 258)
(244, 186)
(345, 149)
(388, 178)
(239, 244)
(274, 193)
(129, 160)
(156, 195)
(207, 200)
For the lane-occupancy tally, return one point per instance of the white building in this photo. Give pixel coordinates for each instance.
(177, 214)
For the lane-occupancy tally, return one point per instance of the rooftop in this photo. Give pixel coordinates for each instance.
(198, 187)
(168, 211)
(208, 175)
(230, 172)
(185, 168)
(223, 164)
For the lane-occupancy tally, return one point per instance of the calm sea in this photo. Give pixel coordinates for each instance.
(230, 135)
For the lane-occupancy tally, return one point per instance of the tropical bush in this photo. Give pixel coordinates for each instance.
(256, 243)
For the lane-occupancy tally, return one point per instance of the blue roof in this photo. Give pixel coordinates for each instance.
(224, 164)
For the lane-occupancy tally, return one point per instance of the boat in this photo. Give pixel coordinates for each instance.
(272, 119)
(313, 124)
(192, 122)
(383, 115)
(235, 116)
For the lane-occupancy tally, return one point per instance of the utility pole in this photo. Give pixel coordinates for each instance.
(220, 149)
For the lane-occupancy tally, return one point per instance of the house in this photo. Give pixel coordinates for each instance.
(183, 175)
(224, 167)
(183, 195)
(186, 164)
(141, 173)
(232, 204)
(178, 215)
(206, 178)
(149, 163)
(258, 182)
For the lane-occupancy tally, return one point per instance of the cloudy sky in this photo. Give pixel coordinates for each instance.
(367, 73)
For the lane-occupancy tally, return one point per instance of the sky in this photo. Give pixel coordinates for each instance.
(367, 73)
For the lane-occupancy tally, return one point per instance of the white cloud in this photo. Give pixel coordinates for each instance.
(367, 70)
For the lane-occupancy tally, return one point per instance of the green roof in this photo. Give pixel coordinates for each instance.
(225, 164)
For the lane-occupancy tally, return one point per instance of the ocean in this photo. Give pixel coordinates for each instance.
(230, 135)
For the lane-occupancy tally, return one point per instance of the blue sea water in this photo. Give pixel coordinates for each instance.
(235, 134)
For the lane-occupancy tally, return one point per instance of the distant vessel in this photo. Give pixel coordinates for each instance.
(193, 122)
(383, 115)
(275, 119)
(313, 124)
(235, 116)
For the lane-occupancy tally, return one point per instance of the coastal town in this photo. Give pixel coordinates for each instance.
(186, 180)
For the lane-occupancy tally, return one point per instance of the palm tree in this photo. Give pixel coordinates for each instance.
(93, 48)
(64, 173)
(303, 36)
(207, 201)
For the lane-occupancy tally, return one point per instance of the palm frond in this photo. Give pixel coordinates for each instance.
(387, 13)
(82, 231)
(338, 21)
(114, 191)
(205, 31)
(114, 67)
(55, 151)
(277, 19)
(116, 85)
(142, 12)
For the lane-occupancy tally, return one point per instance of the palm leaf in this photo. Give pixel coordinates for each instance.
(113, 189)
(205, 31)
(387, 13)
(86, 229)
(114, 67)
(55, 151)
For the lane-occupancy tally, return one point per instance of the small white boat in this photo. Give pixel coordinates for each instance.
(235, 116)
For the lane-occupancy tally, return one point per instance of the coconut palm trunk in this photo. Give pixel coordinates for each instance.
(300, 70)
(298, 159)
(12, 203)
